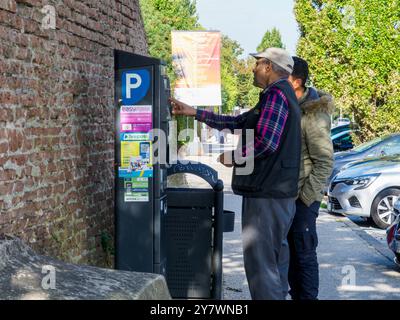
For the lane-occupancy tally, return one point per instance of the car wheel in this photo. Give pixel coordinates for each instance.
(382, 212)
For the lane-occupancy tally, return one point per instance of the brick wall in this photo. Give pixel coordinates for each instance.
(57, 122)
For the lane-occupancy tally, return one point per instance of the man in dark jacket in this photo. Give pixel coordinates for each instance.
(270, 190)
(316, 166)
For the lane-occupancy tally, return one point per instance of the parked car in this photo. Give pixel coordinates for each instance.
(382, 146)
(367, 189)
(342, 141)
(393, 234)
(341, 121)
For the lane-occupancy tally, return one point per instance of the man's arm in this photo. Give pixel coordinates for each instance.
(213, 120)
(221, 122)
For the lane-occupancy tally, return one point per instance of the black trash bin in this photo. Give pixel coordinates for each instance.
(194, 231)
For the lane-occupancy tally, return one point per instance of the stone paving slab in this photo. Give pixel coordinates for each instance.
(24, 275)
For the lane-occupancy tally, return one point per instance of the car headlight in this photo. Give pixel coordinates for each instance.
(362, 181)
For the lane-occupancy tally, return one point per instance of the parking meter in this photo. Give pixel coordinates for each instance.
(141, 105)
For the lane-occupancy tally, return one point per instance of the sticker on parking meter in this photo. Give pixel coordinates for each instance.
(135, 85)
(136, 190)
(136, 196)
(135, 159)
(136, 119)
(137, 184)
(142, 172)
(135, 136)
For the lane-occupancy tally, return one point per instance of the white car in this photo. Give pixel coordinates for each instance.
(368, 189)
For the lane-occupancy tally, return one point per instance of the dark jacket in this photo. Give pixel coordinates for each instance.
(275, 175)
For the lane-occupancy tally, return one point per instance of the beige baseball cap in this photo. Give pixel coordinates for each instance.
(277, 55)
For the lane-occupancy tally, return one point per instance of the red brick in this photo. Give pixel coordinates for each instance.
(9, 5)
(6, 188)
(15, 139)
(3, 148)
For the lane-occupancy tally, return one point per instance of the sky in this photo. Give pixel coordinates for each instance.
(246, 21)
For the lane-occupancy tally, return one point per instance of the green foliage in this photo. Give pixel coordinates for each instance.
(237, 77)
(272, 38)
(160, 17)
(248, 93)
(352, 49)
(230, 52)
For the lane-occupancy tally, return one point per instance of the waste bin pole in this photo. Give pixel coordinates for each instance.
(216, 292)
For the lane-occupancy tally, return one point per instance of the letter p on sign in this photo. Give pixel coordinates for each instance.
(135, 86)
(132, 85)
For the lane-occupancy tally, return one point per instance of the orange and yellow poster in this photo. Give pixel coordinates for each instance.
(196, 59)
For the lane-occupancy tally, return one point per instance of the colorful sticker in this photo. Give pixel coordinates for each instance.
(137, 109)
(137, 119)
(136, 189)
(136, 196)
(139, 151)
(135, 137)
(136, 127)
(135, 159)
(127, 173)
(142, 183)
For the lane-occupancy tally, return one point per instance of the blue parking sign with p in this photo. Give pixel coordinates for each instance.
(135, 85)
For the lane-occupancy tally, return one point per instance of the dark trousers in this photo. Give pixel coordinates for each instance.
(265, 225)
(303, 242)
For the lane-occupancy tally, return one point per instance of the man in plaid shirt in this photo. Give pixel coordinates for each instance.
(270, 191)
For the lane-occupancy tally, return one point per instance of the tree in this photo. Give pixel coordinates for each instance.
(272, 38)
(247, 93)
(160, 17)
(351, 47)
(230, 51)
(236, 77)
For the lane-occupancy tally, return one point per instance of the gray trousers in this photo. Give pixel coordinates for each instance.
(265, 226)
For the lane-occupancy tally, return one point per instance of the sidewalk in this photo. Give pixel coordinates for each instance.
(352, 264)
(234, 282)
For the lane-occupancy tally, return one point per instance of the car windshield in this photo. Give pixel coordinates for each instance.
(339, 129)
(368, 144)
(340, 134)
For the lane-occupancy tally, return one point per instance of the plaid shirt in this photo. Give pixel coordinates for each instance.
(269, 128)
